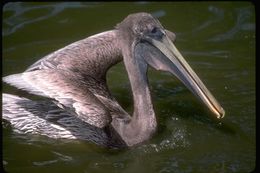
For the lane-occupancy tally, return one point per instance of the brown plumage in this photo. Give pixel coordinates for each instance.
(74, 78)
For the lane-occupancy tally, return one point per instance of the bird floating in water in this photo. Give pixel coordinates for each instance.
(79, 104)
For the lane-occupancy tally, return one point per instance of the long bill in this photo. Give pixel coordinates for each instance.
(177, 65)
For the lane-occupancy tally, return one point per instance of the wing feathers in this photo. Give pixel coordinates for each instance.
(66, 88)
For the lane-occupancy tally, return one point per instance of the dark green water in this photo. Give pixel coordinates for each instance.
(218, 41)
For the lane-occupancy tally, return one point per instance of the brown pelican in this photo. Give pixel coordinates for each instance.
(74, 79)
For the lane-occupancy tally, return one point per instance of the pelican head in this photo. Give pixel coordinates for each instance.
(146, 42)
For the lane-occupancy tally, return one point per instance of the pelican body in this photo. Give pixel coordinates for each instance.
(78, 104)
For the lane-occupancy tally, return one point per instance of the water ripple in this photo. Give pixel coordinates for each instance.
(177, 139)
(217, 53)
(19, 20)
(44, 163)
(159, 13)
(218, 15)
(243, 15)
(61, 157)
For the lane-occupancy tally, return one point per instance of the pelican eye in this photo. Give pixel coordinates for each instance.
(154, 30)
(156, 33)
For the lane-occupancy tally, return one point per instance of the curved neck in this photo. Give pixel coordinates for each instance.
(143, 123)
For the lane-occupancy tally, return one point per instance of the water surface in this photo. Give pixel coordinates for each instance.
(218, 41)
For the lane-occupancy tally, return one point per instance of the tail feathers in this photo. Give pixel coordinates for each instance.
(28, 116)
(9, 98)
(18, 81)
(46, 118)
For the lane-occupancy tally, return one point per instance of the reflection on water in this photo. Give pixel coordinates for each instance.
(218, 41)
